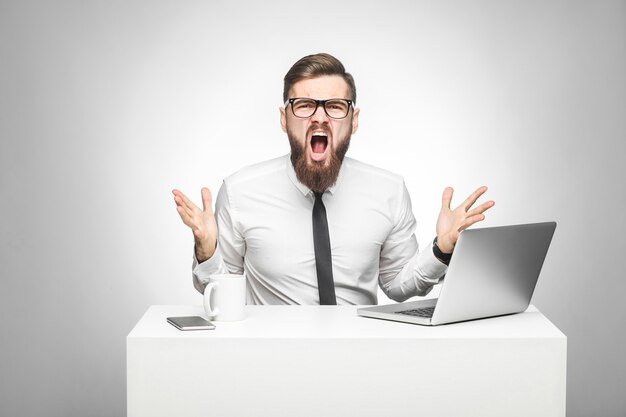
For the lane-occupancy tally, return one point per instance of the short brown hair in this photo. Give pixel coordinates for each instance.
(312, 66)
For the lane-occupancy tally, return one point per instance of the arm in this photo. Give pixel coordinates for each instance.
(229, 254)
(209, 256)
(404, 270)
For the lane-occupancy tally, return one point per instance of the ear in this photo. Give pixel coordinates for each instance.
(355, 120)
(283, 119)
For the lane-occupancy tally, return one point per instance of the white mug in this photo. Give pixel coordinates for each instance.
(225, 297)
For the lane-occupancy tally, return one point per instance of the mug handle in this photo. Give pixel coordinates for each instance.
(208, 290)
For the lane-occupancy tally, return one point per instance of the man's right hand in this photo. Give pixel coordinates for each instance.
(201, 222)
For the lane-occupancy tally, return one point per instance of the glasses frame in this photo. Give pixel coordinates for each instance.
(320, 103)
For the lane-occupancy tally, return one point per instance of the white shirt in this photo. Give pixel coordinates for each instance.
(264, 217)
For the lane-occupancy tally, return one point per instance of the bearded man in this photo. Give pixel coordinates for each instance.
(363, 233)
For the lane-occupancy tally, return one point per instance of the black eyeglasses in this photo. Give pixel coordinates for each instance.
(335, 108)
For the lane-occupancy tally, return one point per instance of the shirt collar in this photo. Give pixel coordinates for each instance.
(291, 173)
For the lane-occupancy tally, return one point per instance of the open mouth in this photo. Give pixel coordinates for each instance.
(319, 143)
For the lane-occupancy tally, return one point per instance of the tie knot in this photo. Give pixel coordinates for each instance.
(318, 195)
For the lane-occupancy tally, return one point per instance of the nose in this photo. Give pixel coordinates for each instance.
(320, 115)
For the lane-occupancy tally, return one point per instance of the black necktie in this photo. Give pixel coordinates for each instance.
(323, 260)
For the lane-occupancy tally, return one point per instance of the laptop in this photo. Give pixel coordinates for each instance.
(493, 272)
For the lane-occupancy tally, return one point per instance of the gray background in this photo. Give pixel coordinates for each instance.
(107, 106)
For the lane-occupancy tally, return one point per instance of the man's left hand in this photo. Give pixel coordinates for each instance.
(451, 222)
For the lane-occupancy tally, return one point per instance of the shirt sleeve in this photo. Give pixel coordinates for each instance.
(229, 254)
(406, 272)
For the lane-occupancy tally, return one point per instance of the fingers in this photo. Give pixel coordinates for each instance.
(482, 208)
(186, 208)
(471, 220)
(184, 216)
(452, 222)
(182, 200)
(202, 226)
(206, 199)
(446, 198)
(475, 215)
(446, 201)
(469, 202)
(178, 199)
(177, 193)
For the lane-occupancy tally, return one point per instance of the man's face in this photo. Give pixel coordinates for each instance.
(319, 143)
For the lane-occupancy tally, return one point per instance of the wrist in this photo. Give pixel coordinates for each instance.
(202, 252)
(444, 245)
(442, 255)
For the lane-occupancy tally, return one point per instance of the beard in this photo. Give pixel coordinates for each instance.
(318, 176)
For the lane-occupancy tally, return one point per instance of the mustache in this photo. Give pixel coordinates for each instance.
(317, 126)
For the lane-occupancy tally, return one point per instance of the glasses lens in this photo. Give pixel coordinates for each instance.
(303, 107)
(337, 109)
(306, 107)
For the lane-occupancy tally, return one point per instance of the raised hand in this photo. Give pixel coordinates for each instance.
(451, 222)
(201, 222)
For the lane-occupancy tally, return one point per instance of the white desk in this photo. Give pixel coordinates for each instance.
(326, 361)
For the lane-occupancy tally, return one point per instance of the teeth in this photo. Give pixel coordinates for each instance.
(318, 133)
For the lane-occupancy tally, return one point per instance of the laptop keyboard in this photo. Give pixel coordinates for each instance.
(426, 312)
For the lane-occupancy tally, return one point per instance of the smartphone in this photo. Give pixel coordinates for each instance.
(190, 323)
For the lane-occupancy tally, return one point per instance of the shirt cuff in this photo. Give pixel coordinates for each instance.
(430, 266)
(202, 271)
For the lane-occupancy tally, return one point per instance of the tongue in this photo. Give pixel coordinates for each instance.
(318, 144)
